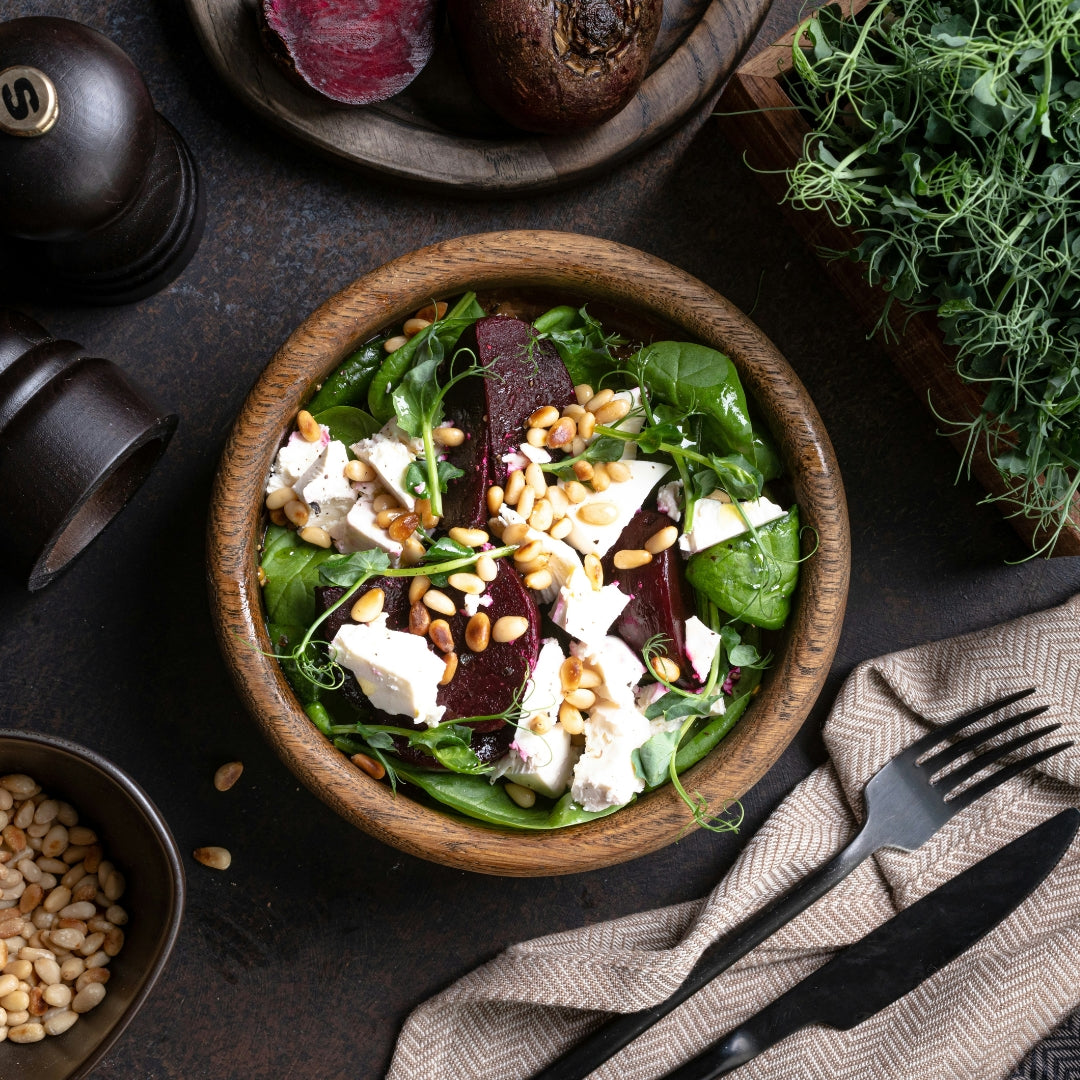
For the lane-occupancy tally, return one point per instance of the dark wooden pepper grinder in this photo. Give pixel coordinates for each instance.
(100, 200)
(77, 438)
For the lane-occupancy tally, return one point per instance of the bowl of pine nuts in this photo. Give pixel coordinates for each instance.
(91, 898)
(276, 530)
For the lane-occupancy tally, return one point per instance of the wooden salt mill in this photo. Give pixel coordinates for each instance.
(77, 438)
(100, 200)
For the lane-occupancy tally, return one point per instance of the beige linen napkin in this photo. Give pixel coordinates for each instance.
(972, 1020)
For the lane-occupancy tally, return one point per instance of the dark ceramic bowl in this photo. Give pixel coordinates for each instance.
(136, 839)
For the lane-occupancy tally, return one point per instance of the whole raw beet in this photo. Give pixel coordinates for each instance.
(525, 374)
(351, 51)
(556, 66)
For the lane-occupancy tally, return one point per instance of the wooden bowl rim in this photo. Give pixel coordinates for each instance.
(583, 266)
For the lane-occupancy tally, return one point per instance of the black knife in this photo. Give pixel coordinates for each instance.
(893, 959)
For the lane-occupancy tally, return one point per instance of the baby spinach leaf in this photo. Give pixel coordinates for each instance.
(651, 759)
(752, 576)
(349, 569)
(292, 572)
(581, 344)
(416, 476)
(348, 425)
(349, 384)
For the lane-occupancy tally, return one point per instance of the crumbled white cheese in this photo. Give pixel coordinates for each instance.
(396, 670)
(295, 458)
(362, 531)
(563, 560)
(535, 453)
(701, 644)
(327, 491)
(668, 498)
(584, 612)
(389, 457)
(618, 666)
(634, 420)
(648, 695)
(604, 775)
(627, 498)
(716, 520)
(514, 461)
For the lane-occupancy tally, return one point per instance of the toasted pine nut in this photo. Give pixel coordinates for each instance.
(427, 518)
(217, 858)
(316, 536)
(542, 516)
(559, 502)
(599, 399)
(594, 571)
(534, 477)
(618, 472)
(544, 417)
(530, 567)
(496, 527)
(418, 586)
(27, 1032)
(419, 619)
(536, 436)
(581, 698)
(561, 529)
(570, 673)
(666, 668)
(515, 534)
(527, 501)
(562, 433)
(583, 470)
(401, 528)
(523, 796)
(92, 995)
(384, 518)
(612, 412)
(19, 785)
(470, 538)
(515, 485)
(539, 580)
(585, 426)
(438, 601)
(571, 719)
(631, 558)
(527, 552)
(583, 392)
(225, 776)
(600, 481)
(431, 312)
(59, 1022)
(495, 496)
(486, 568)
(450, 665)
(412, 551)
(263, 579)
(359, 472)
(465, 582)
(414, 325)
(448, 436)
(575, 412)
(369, 607)
(384, 501)
(308, 427)
(392, 344)
(578, 445)
(297, 512)
(441, 637)
(598, 513)
(662, 539)
(277, 517)
(509, 628)
(279, 497)
(541, 723)
(478, 632)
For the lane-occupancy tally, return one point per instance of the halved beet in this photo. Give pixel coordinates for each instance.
(661, 598)
(485, 682)
(351, 51)
(525, 374)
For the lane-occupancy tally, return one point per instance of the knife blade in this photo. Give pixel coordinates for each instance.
(900, 954)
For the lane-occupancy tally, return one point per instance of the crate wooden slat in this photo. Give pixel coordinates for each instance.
(761, 122)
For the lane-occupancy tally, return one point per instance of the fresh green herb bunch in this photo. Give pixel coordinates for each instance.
(948, 134)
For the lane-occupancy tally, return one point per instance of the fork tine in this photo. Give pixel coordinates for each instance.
(976, 738)
(920, 746)
(967, 797)
(992, 753)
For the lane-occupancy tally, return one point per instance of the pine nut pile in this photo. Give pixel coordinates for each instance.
(60, 924)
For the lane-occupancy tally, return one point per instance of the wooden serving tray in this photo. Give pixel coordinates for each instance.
(437, 133)
(762, 123)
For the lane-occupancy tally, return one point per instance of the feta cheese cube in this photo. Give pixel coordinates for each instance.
(669, 499)
(295, 458)
(585, 613)
(634, 420)
(701, 644)
(327, 491)
(715, 520)
(363, 533)
(535, 453)
(389, 457)
(396, 670)
(604, 775)
(618, 666)
(627, 497)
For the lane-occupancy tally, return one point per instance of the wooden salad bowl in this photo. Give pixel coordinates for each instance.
(564, 268)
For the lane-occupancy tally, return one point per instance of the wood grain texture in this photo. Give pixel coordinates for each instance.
(437, 133)
(761, 121)
(580, 268)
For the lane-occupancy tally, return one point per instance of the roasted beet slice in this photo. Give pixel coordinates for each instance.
(351, 51)
(662, 600)
(486, 681)
(525, 374)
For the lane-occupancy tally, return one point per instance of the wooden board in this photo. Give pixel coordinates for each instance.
(438, 133)
(761, 122)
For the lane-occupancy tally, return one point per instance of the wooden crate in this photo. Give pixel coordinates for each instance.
(761, 122)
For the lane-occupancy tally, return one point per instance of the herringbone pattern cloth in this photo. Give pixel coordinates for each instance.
(974, 1020)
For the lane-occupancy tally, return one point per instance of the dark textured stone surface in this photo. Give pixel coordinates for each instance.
(293, 956)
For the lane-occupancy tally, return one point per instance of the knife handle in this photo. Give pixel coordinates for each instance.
(621, 1030)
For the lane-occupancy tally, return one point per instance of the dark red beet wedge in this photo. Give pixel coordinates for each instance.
(525, 374)
(351, 51)
(662, 600)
